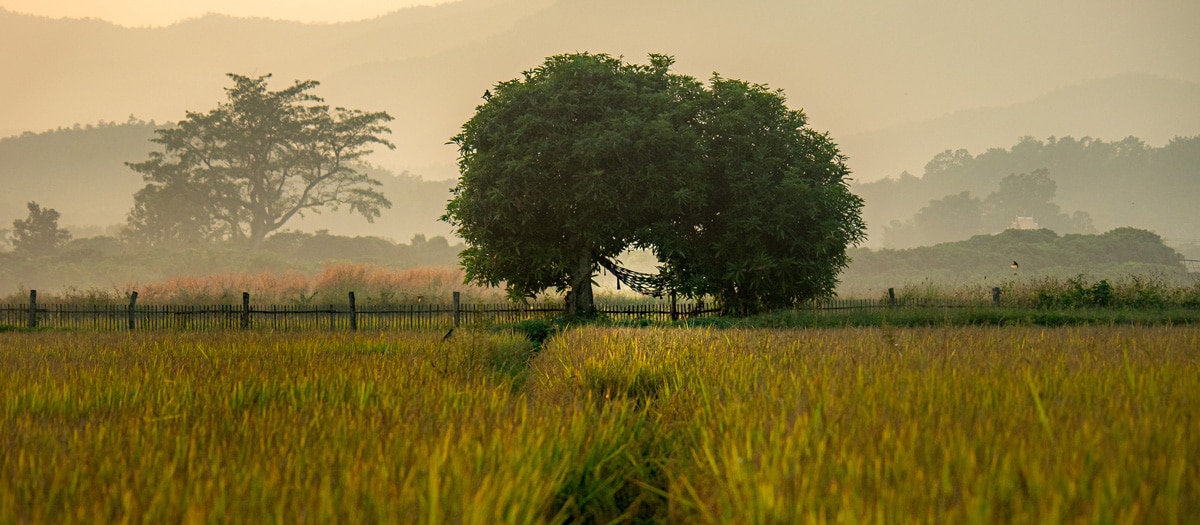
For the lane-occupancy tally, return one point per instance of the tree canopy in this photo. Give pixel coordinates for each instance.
(778, 216)
(566, 165)
(586, 155)
(244, 169)
(38, 233)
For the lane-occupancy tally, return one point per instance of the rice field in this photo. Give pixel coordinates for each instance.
(602, 425)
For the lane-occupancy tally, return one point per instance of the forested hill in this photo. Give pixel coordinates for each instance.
(1154, 109)
(80, 171)
(1118, 183)
(984, 261)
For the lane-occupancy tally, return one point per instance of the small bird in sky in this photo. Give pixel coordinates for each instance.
(487, 94)
(1014, 265)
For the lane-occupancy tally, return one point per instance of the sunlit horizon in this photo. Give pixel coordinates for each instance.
(154, 13)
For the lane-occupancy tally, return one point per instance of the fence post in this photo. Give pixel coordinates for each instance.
(33, 309)
(353, 314)
(132, 305)
(245, 310)
(457, 307)
(996, 296)
(891, 297)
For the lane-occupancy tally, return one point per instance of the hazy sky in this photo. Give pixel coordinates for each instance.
(136, 13)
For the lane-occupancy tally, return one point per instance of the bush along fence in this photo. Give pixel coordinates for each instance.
(351, 316)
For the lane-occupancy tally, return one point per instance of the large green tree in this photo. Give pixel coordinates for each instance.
(262, 157)
(566, 165)
(586, 156)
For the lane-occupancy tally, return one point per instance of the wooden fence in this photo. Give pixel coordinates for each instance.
(351, 316)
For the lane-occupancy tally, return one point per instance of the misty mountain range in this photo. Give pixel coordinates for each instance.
(894, 83)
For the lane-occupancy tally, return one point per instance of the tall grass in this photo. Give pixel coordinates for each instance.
(887, 425)
(1080, 291)
(293, 428)
(969, 424)
(372, 284)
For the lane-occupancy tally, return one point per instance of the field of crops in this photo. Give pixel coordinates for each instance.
(966, 424)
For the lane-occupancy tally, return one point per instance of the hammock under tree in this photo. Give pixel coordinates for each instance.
(643, 283)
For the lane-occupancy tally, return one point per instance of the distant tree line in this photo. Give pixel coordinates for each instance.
(1067, 185)
(954, 217)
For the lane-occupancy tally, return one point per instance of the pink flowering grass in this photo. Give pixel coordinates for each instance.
(371, 284)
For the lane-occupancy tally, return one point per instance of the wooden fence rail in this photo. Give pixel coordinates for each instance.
(353, 316)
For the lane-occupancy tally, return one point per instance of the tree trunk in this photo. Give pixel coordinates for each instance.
(258, 232)
(580, 302)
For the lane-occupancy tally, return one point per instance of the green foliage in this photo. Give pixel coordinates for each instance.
(1077, 294)
(566, 165)
(587, 156)
(1135, 291)
(537, 331)
(38, 233)
(774, 228)
(244, 169)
